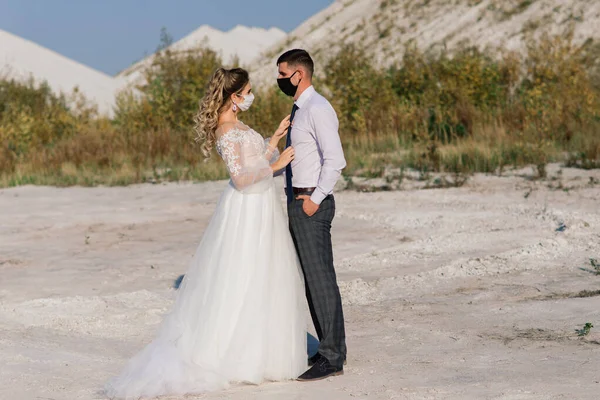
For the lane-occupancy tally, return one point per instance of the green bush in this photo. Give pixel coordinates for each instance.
(460, 113)
(32, 115)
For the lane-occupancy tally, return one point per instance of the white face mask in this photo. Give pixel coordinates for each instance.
(248, 99)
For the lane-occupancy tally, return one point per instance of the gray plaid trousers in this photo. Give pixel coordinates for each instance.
(312, 238)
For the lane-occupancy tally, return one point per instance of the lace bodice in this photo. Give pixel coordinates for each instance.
(246, 154)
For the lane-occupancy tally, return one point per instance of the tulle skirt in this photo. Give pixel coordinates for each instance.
(240, 314)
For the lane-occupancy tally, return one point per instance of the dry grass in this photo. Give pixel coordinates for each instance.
(471, 112)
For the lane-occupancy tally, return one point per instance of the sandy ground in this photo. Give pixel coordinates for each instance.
(463, 293)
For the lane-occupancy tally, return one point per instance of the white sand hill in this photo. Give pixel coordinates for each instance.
(22, 59)
(464, 293)
(247, 43)
(384, 27)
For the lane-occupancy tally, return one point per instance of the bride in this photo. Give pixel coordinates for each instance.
(239, 315)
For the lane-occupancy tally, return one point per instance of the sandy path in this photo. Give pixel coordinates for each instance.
(464, 293)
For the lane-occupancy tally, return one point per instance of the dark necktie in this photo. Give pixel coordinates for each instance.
(289, 191)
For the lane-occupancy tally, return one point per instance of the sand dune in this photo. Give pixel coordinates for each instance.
(465, 293)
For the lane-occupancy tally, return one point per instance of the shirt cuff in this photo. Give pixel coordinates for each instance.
(317, 197)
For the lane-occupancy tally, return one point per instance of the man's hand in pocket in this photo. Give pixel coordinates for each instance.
(309, 207)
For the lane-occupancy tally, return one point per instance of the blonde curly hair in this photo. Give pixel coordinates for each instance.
(216, 100)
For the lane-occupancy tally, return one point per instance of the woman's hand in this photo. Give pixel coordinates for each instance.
(284, 159)
(281, 131)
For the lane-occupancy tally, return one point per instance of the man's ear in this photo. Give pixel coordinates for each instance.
(300, 76)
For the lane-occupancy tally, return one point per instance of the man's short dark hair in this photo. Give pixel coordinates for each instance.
(297, 57)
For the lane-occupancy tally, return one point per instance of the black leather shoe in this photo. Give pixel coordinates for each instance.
(321, 370)
(313, 360)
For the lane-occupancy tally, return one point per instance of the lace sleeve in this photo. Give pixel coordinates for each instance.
(271, 153)
(244, 169)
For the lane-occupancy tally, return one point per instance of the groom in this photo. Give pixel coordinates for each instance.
(310, 178)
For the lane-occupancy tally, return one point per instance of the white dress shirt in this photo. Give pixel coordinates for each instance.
(319, 156)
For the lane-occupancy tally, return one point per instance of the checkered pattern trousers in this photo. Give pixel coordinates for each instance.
(312, 238)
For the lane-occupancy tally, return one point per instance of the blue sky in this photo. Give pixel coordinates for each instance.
(110, 35)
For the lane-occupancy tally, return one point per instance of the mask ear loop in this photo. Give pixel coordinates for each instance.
(298, 81)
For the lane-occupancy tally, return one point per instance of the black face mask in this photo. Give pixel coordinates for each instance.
(286, 86)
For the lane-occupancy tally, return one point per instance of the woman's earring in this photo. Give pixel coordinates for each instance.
(234, 107)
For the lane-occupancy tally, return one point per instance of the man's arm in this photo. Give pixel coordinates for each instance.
(328, 138)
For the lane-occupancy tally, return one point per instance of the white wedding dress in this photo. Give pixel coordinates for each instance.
(240, 314)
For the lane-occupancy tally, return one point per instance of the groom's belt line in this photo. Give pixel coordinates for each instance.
(298, 191)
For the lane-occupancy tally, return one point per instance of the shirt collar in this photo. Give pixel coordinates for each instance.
(305, 96)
